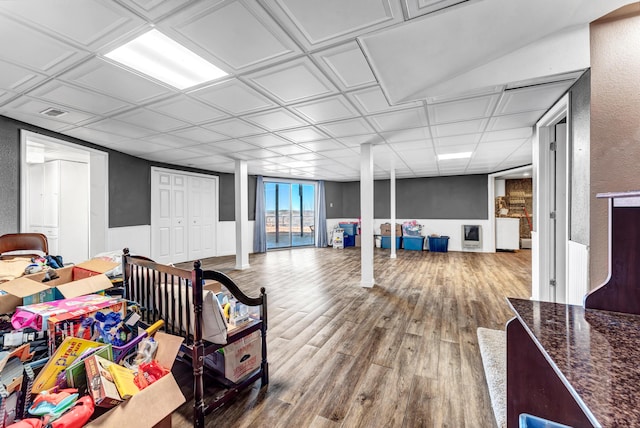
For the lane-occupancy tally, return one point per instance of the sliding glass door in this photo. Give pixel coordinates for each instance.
(290, 214)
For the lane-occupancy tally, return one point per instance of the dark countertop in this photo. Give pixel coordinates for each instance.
(595, 353)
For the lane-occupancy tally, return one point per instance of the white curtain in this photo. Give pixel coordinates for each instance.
(260, 231)
(321, 217)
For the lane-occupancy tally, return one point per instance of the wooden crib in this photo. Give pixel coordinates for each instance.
(172, 294)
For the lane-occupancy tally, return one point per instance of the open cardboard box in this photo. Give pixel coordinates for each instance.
(73, 281)
(151, 407)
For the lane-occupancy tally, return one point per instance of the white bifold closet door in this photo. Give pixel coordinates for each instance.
(183, 216)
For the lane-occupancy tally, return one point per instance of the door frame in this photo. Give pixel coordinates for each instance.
(154, 195)
(542, 185)
(98, 188)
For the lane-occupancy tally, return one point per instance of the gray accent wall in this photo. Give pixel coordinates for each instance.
(580, 111)
(454, 197)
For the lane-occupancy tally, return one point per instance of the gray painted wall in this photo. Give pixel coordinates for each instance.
(454, 197)
(580, 111)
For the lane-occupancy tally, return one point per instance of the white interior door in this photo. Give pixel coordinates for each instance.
(202, 197)
(179, 226)
(558, 202)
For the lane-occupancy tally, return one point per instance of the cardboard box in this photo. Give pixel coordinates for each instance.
(385, 229)
(101, 385)
(238, 359)
(73, 281)
(151, 407)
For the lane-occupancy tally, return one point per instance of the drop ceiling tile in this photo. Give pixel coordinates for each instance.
(170, 141)
(232, 146)
(372, 100)
(100, 22)
(326, 109)
(323, 145)
(35, 107)
(172, 155)
(530, 98)
(104, 77)
(520, 120)
(399, 120)
(417, 8)
(234, 128)
(184, 108)
(403, 135)
(199, 134)
(461, 110)
(259, 154)
(256, 38)
(459, 128)
(303, 135)
(293, 81)
(340, 154)
(212, 163)
(411, 145)
(154, 9)
(35, 50)
(42, 122)
(137, 147)
(94, 136)
(458, 148)
(151, 120)
(5, 96)
(79, 98)
(206, 149)
(117, 127)
(265, 140)
(357, 140)
(290, 149)
(507, 134)
(318, 23)
(347, 64)
(457, 140)
(275, 120)
(234, 97)
(307, 156)
(18, 79)
(347, 128)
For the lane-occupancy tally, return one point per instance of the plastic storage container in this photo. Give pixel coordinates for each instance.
(386, 242)
(349, 240)
(529, 421)
(415, 243)
(438, 244)
(349, 228)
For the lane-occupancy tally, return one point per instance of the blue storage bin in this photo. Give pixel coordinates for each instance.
(529, 421)
(386, 242)
(413, 242)
(438, 244)
(349, 228)
(349, 240)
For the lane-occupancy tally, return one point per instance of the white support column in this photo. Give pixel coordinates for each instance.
(392, 204)
(366, 212)
(242, 215)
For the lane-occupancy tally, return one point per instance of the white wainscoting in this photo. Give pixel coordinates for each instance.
(450, 228)
(535, 266)
(226, 238)
(577, 272)
(136, 238)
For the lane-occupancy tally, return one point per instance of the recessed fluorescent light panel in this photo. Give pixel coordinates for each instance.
(461, 155)
(162, 58)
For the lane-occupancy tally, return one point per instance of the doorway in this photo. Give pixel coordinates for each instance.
(64, 195)
(289, 214)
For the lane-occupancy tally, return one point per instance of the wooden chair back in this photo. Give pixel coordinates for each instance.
(23, 242)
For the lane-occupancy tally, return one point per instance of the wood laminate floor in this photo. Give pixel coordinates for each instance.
(401, 354)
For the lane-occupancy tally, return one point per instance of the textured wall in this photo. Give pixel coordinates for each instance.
(580, 161)
(615, 121)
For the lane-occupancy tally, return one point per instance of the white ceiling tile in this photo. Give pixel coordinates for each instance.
(326, 109)
(399, 120)
(109, 79)
(187, 109)
(230, 146)
(307, 156)
(265, 140)
(151, 120)
(18, 78)
(137, 147)
(466, 94)
(347, 64)
(411, 145)
(303, 135)
(78, 98)
(507, 134)
(35, 50)
(459, 128)
(234, 97)
(372, 100)
(340, 154)
(520, 120)
(212, 163)
(120, 128)
(234, 128)
(275, 120)
(331, 21)
(402, 135)
(172, 155)
(36, 120)
(290, 149)
(357, 140)
(199, 134)
(347, 128)
(457, 140)
(293, 81)
(461, 110)
(319, 146)
(530, 98)
(36, 107)
(100, 21)
(443, 148)
(154, 9)
(170, 140)
(250, 35)
(94, 136)
(259, 154)
(417, 8)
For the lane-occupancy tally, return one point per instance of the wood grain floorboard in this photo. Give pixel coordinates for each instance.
(401, 354)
